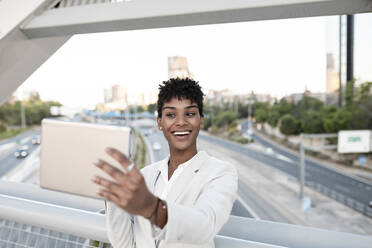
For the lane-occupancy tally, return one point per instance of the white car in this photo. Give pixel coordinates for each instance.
(156, 146)
(36, 140)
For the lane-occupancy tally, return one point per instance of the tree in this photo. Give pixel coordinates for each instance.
(339, 120)
(261, 115)
(152, 107)
(225, 118)
(289, 125)
(312, 122)
(349, 93)
(273, 117)
(305, 104)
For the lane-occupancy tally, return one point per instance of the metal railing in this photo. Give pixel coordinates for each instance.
(26, 222)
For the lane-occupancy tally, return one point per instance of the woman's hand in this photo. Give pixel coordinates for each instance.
(128, 190)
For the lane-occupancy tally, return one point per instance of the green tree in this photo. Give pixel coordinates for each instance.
(261, 115)
(339, 120)
(305, 104)
(312, 122)
(289, 125)
(152, 107)
(225, 118)
(349, 93)
(273, 117)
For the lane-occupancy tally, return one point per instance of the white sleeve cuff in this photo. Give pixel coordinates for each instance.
(158, 233)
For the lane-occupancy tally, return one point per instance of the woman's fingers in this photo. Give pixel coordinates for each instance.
(110, 170)
(118, 156)
(113, 187)
(109, 196)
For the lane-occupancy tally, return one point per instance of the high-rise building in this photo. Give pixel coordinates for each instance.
(177, 67)
(332, 75)
(107, 95)
(118, 94)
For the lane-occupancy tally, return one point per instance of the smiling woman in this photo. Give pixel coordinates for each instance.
(181, 201)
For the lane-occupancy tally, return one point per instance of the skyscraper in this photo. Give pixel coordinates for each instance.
(177, 67)
(108, 95)
(332, 75)
(119, 94)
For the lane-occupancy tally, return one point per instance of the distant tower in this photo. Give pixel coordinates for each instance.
(332, 75)
(118, 94)
(107, 95)
(177, 67)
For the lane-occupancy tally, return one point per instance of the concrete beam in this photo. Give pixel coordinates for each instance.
(146, 14)
(20, 56)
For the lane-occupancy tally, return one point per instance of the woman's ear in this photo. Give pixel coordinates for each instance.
(159, 122)
(201, 122)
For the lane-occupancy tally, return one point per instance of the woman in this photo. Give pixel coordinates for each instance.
(181, 201)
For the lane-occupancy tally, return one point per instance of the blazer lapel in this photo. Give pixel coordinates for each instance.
(184, 179)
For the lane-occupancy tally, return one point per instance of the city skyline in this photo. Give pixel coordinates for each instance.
(271, 57)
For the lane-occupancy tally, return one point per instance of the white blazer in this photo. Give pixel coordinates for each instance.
(199, 204)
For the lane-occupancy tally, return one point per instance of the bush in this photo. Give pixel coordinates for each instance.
(3, 127)
(243, 140)
(214, 129)
(289, 125)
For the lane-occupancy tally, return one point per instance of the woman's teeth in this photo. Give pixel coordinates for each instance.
(181, 133)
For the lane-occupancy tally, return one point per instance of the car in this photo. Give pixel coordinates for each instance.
(156, 146)
(21, 152)
(36, 140)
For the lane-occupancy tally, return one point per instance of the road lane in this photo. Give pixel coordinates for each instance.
(357, 190)
(8, 161)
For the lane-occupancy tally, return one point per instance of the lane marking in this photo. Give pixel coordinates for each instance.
(247, 207)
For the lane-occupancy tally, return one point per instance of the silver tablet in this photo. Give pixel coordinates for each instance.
(69, 149)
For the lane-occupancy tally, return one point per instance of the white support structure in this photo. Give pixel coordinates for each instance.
(31, 31)
(145, 14)
(20, 56)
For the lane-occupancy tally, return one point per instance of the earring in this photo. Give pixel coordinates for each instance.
(160, 128)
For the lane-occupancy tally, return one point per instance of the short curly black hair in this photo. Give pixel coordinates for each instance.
(182, 88)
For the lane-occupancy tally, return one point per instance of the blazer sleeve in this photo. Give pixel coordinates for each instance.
(200, 224)
(119, 225)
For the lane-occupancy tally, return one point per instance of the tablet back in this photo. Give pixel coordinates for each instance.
(69, 149)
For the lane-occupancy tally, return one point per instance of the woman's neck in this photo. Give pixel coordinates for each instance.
(178, 157)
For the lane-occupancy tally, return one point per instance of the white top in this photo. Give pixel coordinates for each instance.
(164, 188)
(199, 195)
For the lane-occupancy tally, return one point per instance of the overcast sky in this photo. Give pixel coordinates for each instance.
(277, 57)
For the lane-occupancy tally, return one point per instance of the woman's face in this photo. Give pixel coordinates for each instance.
(180, 123)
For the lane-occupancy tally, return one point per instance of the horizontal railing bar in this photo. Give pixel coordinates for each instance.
(62, 219)
(35, 193)
(237, 231)
(291, 235)
(223, 241)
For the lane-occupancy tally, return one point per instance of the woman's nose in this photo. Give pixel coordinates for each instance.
(180, 120)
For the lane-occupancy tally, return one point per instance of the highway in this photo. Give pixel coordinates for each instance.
(7, 159)
(353, 191)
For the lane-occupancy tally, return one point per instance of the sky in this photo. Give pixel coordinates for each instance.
(278, 57)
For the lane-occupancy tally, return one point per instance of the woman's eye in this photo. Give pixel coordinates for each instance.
(191, 114)
(170, 115)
